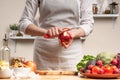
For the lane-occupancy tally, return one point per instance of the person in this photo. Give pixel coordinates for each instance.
(55, 16)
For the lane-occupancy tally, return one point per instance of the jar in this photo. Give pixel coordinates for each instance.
(114, 8)
(95, 9)
(107, 10)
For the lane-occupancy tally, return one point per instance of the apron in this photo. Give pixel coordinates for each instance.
(48, 54)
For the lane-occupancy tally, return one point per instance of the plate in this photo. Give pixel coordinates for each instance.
(101, 76)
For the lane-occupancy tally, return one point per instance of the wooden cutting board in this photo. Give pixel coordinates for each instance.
(55, 72)
(60, 77)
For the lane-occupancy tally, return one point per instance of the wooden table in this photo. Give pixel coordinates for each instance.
(60, 75)
(63, 77)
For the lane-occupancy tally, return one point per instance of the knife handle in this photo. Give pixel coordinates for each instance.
(46, 36)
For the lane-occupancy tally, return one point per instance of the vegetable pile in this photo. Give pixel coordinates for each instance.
(83, 62)
(103, 63)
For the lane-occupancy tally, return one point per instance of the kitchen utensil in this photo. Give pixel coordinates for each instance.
(6, 73)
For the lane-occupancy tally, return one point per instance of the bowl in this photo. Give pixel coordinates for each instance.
(6, 73)
(22, 72)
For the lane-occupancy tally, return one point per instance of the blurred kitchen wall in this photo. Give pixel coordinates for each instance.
(10, 13)
(105, 36)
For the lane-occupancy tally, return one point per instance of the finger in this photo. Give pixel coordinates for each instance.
(60, 30)
(49, 33)
(56, 31)
(53, 31)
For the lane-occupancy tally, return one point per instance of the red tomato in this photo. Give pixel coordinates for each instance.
(101, 71)
(65, 36)
(107, 69)
(88, 71)
(114, 67)
(95, 70)
(31, 64)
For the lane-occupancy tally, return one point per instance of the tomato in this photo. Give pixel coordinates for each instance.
(115, 70)
(31, 64)
(114, 67)
(65, 39)
(107, 69)
(101, 71)
(65, 36)
(95, 70)
(82, 70)
(88, 71)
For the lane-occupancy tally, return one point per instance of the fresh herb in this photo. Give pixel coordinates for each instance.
(14, 27)
(83, 62)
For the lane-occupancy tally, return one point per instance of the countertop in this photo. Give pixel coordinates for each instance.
(63, 77)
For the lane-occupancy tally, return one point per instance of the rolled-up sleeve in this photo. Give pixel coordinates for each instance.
(86, 14)
(28, 14)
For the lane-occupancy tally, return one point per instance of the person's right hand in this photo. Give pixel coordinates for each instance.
(53, 32)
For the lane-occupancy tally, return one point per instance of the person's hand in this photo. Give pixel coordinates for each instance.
(53, 32)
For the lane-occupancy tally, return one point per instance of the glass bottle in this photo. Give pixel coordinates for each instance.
(1, 54)
(5, 51)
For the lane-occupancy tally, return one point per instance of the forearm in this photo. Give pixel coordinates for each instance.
(77, 33)
(35, 31)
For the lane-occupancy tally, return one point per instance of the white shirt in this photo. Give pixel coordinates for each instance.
(48, 54)
(84, 9)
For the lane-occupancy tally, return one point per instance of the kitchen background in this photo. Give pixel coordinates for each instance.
(105, 36)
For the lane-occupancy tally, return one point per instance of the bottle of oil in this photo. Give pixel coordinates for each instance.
(5, 50)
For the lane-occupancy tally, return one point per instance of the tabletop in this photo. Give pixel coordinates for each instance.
(62, 77)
